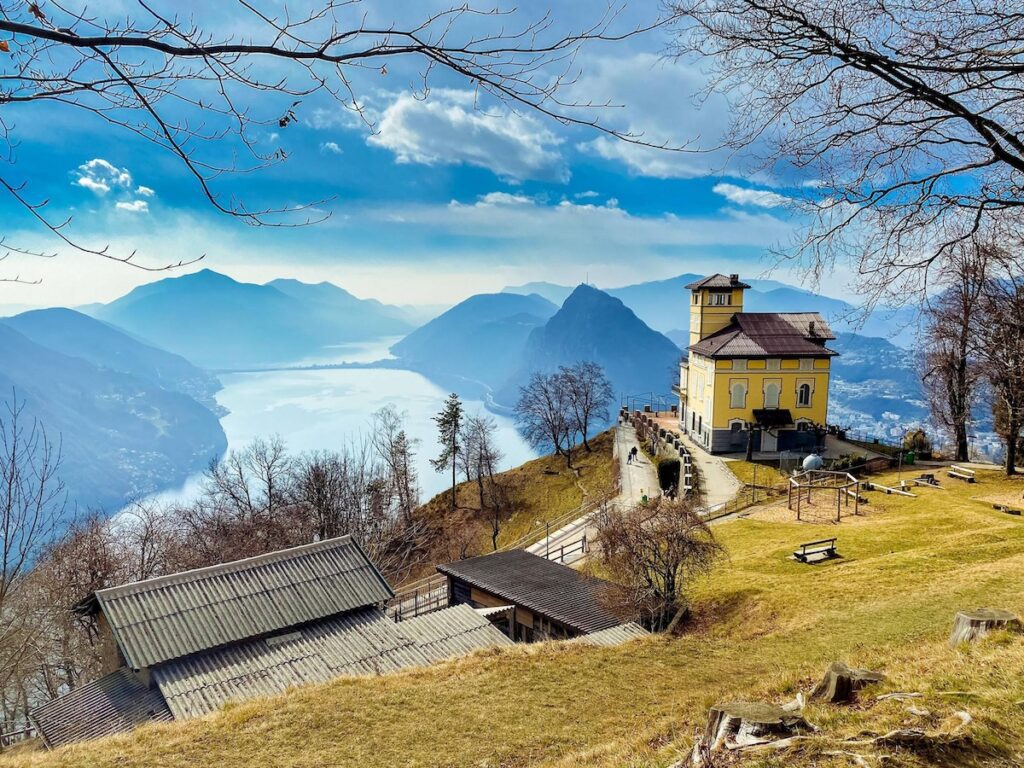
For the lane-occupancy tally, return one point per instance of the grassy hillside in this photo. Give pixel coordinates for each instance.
(542, 489)
(765, 627)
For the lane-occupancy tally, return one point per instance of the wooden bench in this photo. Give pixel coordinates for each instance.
(961, 473)
(1008, 509)
(819, 550)
(927, 479)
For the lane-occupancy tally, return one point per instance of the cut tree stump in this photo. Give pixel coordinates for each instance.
(969, 626)
(841, 683)
(739, 724)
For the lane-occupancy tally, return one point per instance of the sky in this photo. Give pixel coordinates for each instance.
(442, 195)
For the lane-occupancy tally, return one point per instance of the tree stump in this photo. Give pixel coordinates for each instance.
(841, 683)
(740, 724)
(969, 626)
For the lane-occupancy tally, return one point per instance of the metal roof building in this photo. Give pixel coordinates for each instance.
(181, 646)
(551, 600)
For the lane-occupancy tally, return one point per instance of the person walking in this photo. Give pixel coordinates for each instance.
(629, 457)
(633, 454)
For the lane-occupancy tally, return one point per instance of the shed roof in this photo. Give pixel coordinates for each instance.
(361, 643)
(613, 636)
(550, 589)
(172, 616)
(769, 334)
(115, 703)
(717, 281)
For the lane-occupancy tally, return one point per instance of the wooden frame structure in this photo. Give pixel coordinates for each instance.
(844, 485)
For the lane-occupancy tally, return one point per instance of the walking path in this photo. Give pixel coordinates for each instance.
(637, 478)
(718, 482)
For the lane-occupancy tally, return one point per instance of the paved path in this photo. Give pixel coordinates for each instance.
(636, 478)
(717, 481)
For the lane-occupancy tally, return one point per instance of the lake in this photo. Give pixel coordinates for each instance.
(324, 409)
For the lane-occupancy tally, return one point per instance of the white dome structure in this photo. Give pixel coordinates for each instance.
(812, 462)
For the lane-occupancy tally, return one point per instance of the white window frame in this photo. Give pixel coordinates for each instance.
(778, 394)
(773, 364)
(733, 385)
(810, 394)
(806, 363)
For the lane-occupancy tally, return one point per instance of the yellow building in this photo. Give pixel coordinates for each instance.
(761, 377)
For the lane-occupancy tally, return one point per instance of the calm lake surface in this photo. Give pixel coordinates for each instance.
(325, 409)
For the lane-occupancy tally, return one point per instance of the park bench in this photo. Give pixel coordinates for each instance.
(927, 478)
(961, 473)
(816, 550)
(1007, 509)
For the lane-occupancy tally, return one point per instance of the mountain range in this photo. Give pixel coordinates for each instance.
(220, 323)
(662, 305)
(125, 415)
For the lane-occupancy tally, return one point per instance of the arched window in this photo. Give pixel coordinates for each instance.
(771, 395)
(738, 394)
(803, 396)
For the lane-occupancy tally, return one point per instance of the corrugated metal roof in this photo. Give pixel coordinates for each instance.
(115, 703)
(769, 334)
(623, 633)
(362, 643)
(553, 590)
(452, 632)
(172, 616)
(717, 281)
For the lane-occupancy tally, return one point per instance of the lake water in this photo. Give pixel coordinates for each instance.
(325, 409)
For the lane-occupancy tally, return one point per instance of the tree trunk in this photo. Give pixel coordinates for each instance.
(750, 444)
(961, 442)
(740, 724)
(841, 683)
(969, 626)
(1011, 449)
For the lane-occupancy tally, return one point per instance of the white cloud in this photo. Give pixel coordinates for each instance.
(450, 128)
(503, 198)
(586, 195)
(762, 198)
(100, 176)
(133, 206)
(330, 146)
(144, 191)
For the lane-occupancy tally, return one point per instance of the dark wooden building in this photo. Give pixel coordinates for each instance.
(542, 599)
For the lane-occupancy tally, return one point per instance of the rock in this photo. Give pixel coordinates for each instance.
(841, 683)
(969, 626)
(739, 724)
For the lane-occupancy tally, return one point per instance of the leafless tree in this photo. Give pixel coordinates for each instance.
(654, 551)
(479, 459)
(1000, 333)
(903, 120)
(208, 96)
(950, 370)
(589, 393)
(544, 415)
(33, 502)
(397, 450)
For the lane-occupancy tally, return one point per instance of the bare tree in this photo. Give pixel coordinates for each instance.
(1000, 332)
(480, 459)
(654, 551)
(949, 355)
(449, 429)
(208, 96)
(396, 449)
(904, 120)
(544, 415)
(589, 393)
(33, 503)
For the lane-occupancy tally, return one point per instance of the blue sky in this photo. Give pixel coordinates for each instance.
(439, 200)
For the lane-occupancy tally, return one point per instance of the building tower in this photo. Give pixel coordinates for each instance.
(713, 302)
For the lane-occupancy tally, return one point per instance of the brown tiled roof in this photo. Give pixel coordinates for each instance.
(717, 281)
(769, 334)
(550, 589)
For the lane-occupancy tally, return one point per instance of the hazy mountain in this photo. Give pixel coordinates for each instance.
(553, 292)
(875, 386)
(72, 333)
(120, 435)
(591, 325)
(218, 322)
(480, 339)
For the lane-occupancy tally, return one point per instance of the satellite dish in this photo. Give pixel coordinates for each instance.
(813, 462)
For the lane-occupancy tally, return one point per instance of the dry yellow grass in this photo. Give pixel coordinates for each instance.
(765, 627)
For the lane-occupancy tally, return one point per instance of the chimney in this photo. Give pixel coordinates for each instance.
(810, 327)
(734, 279)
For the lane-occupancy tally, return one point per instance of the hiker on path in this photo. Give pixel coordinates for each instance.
(629, 457)
(633, 453)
